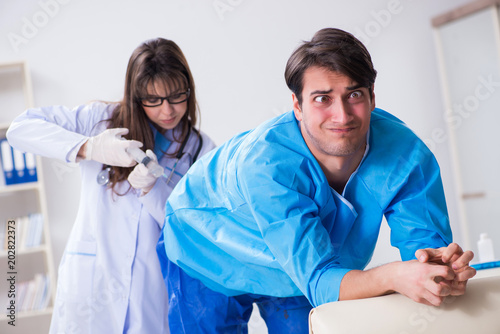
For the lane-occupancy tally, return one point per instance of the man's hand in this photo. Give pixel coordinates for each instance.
(436, 274)
(418, 281)
(454, 257)
(413, 279)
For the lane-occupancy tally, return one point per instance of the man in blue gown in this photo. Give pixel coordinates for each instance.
(287, 215)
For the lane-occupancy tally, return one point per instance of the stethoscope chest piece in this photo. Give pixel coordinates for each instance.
(103, 176)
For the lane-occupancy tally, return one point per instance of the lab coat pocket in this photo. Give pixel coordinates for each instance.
(76, 271)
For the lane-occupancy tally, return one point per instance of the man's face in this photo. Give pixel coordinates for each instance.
(334, 115)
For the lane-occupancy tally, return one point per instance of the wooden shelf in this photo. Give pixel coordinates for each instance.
(21, 200)
(19, 187)
(25, 251)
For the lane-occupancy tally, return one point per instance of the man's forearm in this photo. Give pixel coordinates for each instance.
(358, 284)
(413, 279)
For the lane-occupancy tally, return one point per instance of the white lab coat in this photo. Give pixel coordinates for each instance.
(109, 277)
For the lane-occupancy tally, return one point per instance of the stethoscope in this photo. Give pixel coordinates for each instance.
(181, 152)
(104, 175)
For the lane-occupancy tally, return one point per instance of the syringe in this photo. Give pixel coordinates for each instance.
(141, 157)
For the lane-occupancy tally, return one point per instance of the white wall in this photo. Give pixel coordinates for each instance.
(78, 50)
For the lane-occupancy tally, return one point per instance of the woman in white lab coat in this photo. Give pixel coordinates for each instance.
(109, 277)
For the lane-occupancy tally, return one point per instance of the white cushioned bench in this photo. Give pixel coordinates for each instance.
(478, 311)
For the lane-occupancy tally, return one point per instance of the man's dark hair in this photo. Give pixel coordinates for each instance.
(335, 50)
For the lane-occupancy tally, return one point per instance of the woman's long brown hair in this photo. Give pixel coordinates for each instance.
(158, 61)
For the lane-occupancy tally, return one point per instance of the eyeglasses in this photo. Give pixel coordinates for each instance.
(155, 101)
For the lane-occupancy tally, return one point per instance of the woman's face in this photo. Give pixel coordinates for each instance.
(163, 106)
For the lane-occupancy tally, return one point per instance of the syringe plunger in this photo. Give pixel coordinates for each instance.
(153, 167)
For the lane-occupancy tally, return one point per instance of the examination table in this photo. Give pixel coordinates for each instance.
(478, 311)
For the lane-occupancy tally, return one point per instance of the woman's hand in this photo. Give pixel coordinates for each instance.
(109, 148)
(140, 178)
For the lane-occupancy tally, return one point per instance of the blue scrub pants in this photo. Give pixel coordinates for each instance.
(194, 308)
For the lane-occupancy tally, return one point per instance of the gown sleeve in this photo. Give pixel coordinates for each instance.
(417, 215)
(56, 131)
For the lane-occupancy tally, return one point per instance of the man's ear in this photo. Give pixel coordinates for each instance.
(372, 99)
(296, 107)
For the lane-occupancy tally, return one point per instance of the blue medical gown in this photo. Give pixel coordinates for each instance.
(257, 215)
